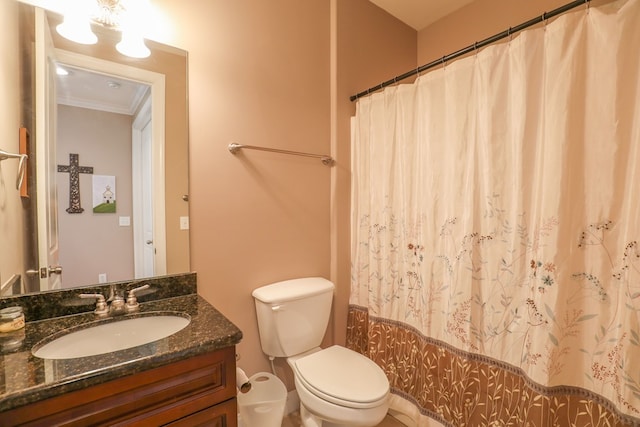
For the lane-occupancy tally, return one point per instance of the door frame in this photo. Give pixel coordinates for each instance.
(45, 132)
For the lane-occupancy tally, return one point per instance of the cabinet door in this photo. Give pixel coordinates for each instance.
(222, 415)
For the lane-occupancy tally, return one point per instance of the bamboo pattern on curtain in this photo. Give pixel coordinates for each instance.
(495, 229)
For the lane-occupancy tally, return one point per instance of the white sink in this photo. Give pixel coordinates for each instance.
(112, 336)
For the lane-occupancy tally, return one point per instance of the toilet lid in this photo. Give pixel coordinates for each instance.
(343, 376)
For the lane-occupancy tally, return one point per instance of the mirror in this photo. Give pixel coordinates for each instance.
(96, 246)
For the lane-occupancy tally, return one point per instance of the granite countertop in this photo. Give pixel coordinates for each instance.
(25, 378)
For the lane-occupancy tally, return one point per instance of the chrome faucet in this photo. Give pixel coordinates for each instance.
(132, 302)
(101, 303)
(118, 305)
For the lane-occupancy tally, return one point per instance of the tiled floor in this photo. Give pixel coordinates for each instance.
(293, 420)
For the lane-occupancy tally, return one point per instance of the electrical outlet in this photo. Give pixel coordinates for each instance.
(102, 278)
(184, 223)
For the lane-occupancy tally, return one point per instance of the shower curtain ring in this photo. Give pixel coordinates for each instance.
(544, 19)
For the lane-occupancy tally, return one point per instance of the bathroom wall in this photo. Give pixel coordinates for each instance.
(279, 74)
(371, 47)
(477, 21)
(264, 73)
(90, 243)
(11, 216)
(259, 75)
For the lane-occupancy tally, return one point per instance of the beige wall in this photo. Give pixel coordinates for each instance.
(477, 21)
(258, 74)
(280, 75)
(11, 218)
(91, 244)
(261, 73)
(372, 46)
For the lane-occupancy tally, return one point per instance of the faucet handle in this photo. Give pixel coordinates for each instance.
(101, 303)
(132, 301)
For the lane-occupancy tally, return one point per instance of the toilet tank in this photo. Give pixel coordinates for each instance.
(293, 315)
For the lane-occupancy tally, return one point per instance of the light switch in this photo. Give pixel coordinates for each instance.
(125, 221)
(184, 223)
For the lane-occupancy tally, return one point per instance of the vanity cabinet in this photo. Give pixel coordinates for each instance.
(197, 391)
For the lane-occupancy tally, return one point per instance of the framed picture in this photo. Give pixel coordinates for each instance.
(104, 194)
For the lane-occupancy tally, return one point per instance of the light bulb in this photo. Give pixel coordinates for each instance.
(76, 25)
(133, 45)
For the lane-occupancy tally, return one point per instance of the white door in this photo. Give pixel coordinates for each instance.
(46, 192)
(142, 172)
(147, 202)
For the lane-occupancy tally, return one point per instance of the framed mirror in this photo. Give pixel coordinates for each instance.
(106, 191)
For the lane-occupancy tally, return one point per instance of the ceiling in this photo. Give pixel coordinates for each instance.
(86, 89)
(418, 14)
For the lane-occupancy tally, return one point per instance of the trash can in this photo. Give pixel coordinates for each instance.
(263, 405)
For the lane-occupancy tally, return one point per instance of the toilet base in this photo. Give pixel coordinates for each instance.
(310, 420)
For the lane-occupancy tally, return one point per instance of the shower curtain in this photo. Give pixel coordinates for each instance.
(495, 230)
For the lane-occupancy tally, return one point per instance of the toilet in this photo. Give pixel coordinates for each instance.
(336, 386)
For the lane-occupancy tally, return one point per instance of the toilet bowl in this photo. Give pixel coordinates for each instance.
(339, 387)
(336, 386)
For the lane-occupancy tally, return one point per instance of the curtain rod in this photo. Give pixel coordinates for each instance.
(475, 46)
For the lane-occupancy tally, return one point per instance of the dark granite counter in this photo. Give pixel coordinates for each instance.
(25, 378)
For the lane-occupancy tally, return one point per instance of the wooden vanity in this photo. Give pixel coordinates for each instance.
(186, 379)
(192, 392)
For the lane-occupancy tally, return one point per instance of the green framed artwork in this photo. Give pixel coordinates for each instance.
(104, 194)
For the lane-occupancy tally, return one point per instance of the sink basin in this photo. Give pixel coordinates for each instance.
(106, 337)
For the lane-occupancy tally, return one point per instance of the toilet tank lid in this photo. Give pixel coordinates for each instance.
(293, 289)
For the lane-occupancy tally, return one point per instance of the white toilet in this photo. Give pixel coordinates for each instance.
(336, 386)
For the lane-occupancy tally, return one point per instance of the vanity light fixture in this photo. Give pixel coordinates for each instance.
(133, 45)
(125, 16)
(76, 25)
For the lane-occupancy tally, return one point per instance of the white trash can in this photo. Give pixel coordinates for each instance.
(263, 405)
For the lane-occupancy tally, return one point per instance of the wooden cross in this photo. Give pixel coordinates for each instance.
(74, 169)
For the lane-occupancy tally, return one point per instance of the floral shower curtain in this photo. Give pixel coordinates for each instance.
(495, 229)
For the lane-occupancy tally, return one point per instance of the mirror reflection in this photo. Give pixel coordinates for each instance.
(106, 193)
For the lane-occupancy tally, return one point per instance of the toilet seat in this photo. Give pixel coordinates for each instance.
(344, 377)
